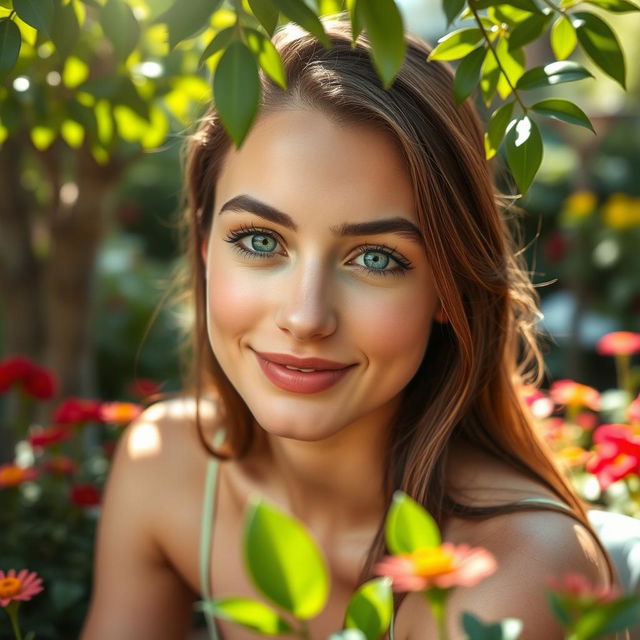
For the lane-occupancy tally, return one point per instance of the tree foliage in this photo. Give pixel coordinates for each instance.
(107, 71)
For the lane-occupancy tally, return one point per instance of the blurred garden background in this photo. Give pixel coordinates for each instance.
(93, 115)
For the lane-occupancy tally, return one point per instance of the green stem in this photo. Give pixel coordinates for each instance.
(623, 371)
(485, 35)
(12, 612)
(437, 599)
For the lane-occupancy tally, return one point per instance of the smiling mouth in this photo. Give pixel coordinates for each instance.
(300, 380)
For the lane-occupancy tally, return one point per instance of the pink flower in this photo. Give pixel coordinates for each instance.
(619, 343)
(12, 475)
(14, 587)
(540, 404)
(445, 566)
(577, 587)
(77, 411)
(45, 437)
(574, 394)
(616, 453)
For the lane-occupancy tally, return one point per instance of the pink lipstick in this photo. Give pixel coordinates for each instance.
(323, 375)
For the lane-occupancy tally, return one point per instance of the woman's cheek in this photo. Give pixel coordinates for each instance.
(234, 302)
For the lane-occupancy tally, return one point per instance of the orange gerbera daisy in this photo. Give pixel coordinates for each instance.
(11, 475)
(22, 586)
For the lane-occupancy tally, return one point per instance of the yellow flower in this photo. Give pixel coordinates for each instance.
(621, 211)
(578, 206)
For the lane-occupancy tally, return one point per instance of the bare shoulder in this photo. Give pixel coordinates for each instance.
(530, 547)
(149, 476)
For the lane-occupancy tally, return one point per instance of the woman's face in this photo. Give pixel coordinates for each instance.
(314, 252)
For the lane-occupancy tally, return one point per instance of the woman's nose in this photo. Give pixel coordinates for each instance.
(305, 304)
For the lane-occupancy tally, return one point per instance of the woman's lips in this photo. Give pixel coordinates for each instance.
(300, 381)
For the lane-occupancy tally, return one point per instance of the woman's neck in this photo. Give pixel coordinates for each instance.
(336, 483)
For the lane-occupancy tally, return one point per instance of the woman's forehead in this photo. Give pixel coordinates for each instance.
(301, 162)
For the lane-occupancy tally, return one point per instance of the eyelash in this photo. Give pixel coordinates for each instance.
(233, 237)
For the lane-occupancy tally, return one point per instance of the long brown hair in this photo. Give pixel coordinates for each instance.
(467, 385)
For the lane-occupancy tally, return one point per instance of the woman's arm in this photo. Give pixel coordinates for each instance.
(136, 593)
(530, 547)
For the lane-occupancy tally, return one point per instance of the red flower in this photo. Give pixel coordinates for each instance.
(12, 475)
(40, 383)
(77, 411)
(19, 587)
(619, 343)
(12, 370)
(574, 394)
(143, 388)
(85, 495)
(445, 566)
(50, 435)
(60, 466)
(119, 413)
(617, 453)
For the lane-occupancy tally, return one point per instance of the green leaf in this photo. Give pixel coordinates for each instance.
(560, 608)
(65, 29)
(456, 44)
(10, 43)
(496, 128)
(615, 6)
(284, 561)
(408, 526)
(551, 74)
(621, 614)
(489, 77)
(524, 5)
(476, 629)
(37, 13)
(601, 44)
(523, 145)
(563, 110)
(299, 12)
(452, 9)
(185, 19)
(512, 63)
(529, 30)
(121, 27)
(356, 19)
(266, 13)
(468, 73)
(563, 38)
(221, 40)
(370, 608)
(267, 56)
(383, 22)
(251, 614)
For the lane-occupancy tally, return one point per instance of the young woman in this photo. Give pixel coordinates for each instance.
(362, 323)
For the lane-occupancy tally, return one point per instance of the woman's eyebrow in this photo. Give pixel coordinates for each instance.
(399, 225)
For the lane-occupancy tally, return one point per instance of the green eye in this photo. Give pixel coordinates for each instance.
(263, 243)
(376, 260)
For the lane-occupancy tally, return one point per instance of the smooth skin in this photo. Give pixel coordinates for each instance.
(313, 292)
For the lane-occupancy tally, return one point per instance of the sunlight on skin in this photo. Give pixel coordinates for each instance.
(144, 441)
